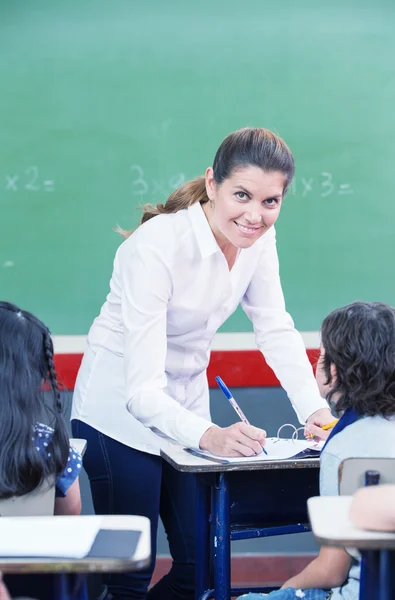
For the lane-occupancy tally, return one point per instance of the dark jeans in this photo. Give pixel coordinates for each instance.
(126, 481)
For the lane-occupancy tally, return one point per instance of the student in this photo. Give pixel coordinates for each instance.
(176, 279)
(34, 444)
(356, 373)
(374, 508)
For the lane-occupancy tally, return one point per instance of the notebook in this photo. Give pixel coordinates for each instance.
(276, 448)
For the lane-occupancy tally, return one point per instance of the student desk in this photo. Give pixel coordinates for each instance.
(79, 444)
(329, 517)
(240, 501)
(118, 532)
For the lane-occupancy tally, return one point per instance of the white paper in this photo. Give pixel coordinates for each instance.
(277, 449)
(52, 537)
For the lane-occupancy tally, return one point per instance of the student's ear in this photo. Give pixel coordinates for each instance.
(333, 374)
(210, 183)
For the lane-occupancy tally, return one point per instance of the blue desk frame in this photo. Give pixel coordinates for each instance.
(377, 575)
(330, 518)
(245, 501)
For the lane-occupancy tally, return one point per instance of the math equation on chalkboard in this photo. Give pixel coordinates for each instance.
(28, 179)
(31, 179)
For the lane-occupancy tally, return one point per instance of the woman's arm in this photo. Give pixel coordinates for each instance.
(277, 338)
(373, 507)
(147, 288)
(330, 569)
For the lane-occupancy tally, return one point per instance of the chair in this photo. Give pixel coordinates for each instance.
(40, 502)
(352, 473)
(375, 565)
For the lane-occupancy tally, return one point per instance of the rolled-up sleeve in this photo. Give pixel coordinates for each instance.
(146, 292)
(276, 337)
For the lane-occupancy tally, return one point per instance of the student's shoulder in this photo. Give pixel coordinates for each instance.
(366, 437)
(43, 431)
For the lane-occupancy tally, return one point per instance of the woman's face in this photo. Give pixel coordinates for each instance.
(243, 206)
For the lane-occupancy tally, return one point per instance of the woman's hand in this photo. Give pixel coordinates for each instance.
(321, 417)
(316, 421)
(237, 440)
(312, 431)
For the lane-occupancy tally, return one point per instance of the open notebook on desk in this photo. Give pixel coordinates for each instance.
(277, 449)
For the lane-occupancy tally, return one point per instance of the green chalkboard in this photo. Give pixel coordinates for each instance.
(107, 105)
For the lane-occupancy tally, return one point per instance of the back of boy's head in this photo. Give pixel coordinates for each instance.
(26, 364)
(359, 339)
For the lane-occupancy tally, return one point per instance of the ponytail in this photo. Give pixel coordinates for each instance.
(189, 193)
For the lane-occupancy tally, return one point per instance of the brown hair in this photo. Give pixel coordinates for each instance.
(246, 147)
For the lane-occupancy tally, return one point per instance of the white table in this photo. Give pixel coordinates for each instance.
(117, 526)
(241, 501)
(79, 444)
(331, 525)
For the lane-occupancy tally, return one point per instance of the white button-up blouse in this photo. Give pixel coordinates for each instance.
(144, 369)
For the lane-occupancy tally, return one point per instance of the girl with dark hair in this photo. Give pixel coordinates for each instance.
(356, 373)
(34, 444)
(176, 279)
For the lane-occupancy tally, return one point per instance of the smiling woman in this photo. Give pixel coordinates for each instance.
(243, 207)
(176, 279)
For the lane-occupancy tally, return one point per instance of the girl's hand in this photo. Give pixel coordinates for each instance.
(4, 595)
(237, 440)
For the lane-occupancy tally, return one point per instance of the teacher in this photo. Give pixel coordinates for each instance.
(176, 279)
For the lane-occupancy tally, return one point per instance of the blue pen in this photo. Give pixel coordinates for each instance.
(233, 402)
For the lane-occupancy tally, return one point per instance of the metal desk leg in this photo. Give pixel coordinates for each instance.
(202, 573)
(386, 584)
(61, 585)
(69, 586)
(370, 569)
(222, 538)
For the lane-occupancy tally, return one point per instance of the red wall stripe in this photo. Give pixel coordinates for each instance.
(238, 368)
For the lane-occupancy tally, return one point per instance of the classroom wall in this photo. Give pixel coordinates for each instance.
(108, 105)
(266, 407)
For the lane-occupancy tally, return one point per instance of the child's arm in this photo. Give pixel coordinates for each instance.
(328, 570)
(71, 503)
(373, 507)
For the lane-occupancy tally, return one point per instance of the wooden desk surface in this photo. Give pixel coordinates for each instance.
(329, 517)
(183, 461)
(139, 560)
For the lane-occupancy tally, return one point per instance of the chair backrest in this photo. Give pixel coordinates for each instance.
(352, 472)
(39, 503)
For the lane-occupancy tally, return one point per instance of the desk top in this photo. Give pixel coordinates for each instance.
(139, 560)
(329, 517)
(181, 460)
(79, 445)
